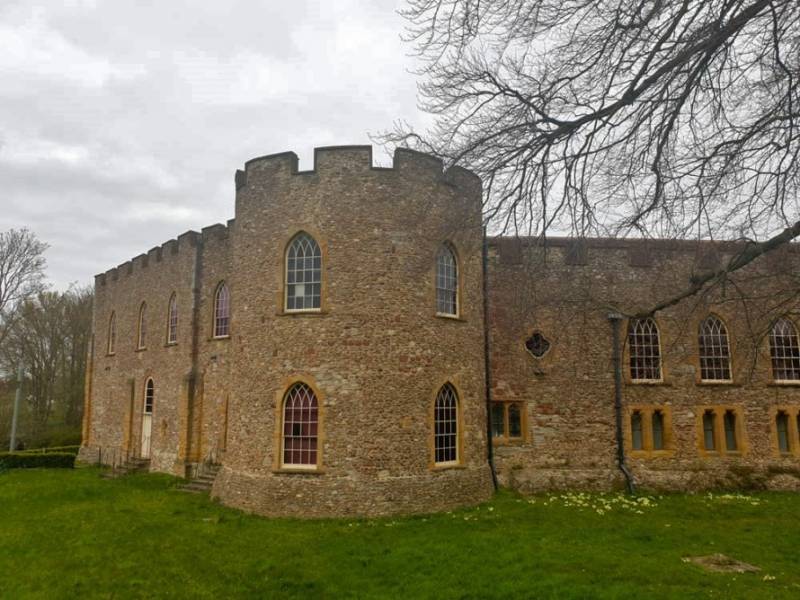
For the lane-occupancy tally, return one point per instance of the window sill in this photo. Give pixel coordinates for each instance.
(506, 441)
(793, 383)
(648, 382)
(667, 452)
(728, 384)
(219, 338)
(170, 344)
(140, 349)
(110, 354)
(298, 471)
(311, 312)
(447, 467)
(447, 317)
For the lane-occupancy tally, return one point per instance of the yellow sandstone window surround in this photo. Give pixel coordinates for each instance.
(648, 431)
(720, 431)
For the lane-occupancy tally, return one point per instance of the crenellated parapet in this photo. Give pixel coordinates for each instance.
(354, 160)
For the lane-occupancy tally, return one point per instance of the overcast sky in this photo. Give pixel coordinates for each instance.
(122, 121)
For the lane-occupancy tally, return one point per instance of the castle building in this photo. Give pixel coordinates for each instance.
(351, 344)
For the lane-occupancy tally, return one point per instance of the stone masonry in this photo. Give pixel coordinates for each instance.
(376, 352)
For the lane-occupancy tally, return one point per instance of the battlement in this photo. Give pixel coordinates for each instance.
(186, 242)
(357, 159)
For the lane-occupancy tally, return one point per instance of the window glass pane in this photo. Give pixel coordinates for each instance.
(785, 351)
(300, 421)
(303, 273)
(782, 424)
(709, 435)
(498, 420)
(446, 282)
(446, 425)
(658, 430)
(644, 350)
(730, 430)
(636, 430)
(514, 421)
(714, 350)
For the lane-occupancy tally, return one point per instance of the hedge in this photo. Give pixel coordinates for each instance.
(23, 460)
(55, 449)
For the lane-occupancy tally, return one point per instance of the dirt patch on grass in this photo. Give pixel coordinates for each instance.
(719, 563)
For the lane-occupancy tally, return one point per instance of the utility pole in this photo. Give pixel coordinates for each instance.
(17, 398)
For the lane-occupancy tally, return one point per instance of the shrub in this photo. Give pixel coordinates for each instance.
(25, 460)
(55, 449)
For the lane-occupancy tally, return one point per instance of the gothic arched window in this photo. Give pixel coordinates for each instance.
(785, 351)
(141, 337)
(446, 282)
(112, 333)
(222, 311)
(644, 350)
(445, 426)
(172, 320)
(300, 427)
(714, 350)
(303, 274)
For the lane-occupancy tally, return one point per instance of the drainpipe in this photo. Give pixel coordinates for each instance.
(486, 363)
(615, 319)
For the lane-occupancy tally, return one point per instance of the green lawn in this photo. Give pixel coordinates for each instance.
(71, 534)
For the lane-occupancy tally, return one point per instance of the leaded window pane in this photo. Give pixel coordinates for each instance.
(300, 426)
(112, 333)
(514, 421)
(142, 326)
(782, 424)
(636, 431)
(729, 421)
(645, 350)
(222, 311)
(785, 351)
(445, 423)
(172, 320)
(709, 433)
(446, 282)
(714, 347)
(498, 420)
(149, 394)
(657, 422)
(303, 274)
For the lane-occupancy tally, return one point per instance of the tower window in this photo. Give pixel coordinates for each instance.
(303, 274)
(141, 337)
(445, 426)
(446, 282)
(222, 311)
(172, 320)
(300, 427)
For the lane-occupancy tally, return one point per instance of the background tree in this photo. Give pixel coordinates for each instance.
(21, 272)
(618, 117)
(50, 332)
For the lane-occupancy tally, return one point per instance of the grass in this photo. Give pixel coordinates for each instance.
(70, 534)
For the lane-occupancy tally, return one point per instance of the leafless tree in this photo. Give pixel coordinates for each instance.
(619, 117)
(21, 272)
(50, 332)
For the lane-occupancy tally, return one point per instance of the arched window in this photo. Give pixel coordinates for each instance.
(445, 426)
(637, 439)
(303, 273)
(782, 425)
(172, 320)
(149, 394)
(222, 311)
(709, 430)
(785, 351)
(657, 424)
(644, 350)
(729, 420)
(300, 427)
(446, 282)
(112, 333)
(714, 350)
(141, 337)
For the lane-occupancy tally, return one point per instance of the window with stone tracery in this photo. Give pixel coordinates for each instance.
(644, 349)
(785, 351)
(714, 350)
(300, 427)
(446, 282)
(303, 274)
(445, 424)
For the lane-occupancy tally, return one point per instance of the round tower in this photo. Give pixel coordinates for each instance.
(357, 377)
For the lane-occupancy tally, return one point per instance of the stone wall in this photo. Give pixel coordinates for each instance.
(566, 291)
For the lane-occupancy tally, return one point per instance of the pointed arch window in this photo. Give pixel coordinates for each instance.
(300, 427)
(112, 333)
(785, 351)
(446, 282)
(445, 426)
(172, 320)
(714, 350)
(141, 333)
(644, 349)
(222, 311)
(303, 274)
(149, 396)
